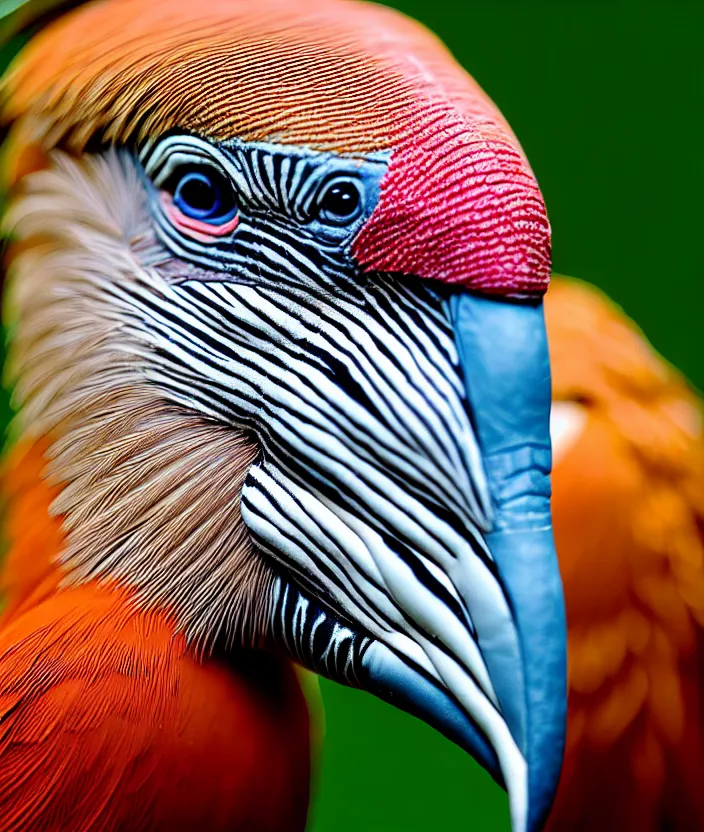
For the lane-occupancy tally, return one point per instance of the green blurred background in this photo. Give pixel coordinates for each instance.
(607, 99)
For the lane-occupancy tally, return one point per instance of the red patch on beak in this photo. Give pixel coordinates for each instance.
(460, 204)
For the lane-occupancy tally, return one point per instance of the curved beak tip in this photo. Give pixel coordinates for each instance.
(466, 629)
(503, 350)
(513, 722)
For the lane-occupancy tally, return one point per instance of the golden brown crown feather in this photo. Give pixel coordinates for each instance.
(327, 75)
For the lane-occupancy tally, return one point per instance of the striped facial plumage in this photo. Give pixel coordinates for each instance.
(276, 283)
(276, 210)
(345, 378)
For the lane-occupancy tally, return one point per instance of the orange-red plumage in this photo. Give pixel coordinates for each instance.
(629, 524)
(108, 721)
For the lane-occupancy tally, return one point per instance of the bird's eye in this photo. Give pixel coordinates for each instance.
(200, 202)
(340, 202)
(204, 194)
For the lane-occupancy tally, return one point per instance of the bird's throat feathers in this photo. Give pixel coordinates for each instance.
(113, 482)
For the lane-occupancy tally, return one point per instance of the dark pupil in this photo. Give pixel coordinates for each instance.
(197, 195)
(341, 200)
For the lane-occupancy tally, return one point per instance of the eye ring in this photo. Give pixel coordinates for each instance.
(200, 202)
(339, 202)
(200, 193)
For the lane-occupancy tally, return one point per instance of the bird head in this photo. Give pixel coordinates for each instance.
(275, 289)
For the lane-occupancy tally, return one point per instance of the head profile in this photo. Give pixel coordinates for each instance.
(275, 281)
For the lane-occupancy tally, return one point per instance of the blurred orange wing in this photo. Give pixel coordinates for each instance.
(629, 525)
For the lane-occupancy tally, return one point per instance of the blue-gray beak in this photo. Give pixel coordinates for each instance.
(503, 352)
(418, 555)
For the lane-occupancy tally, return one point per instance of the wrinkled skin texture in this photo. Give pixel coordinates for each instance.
(628, 511)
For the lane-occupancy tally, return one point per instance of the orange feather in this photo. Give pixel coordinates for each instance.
(108, 721)
(629, 524)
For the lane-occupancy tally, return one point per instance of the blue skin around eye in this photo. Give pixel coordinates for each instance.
(350, 209)
(213, 214)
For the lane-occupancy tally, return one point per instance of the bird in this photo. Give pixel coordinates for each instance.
(628, 513)
(273, 283)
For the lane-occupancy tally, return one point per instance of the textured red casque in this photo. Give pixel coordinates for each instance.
(459, 204)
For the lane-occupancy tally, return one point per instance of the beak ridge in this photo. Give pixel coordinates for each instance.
(504, 354)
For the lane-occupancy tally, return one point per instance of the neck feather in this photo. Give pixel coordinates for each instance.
(146, 493)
